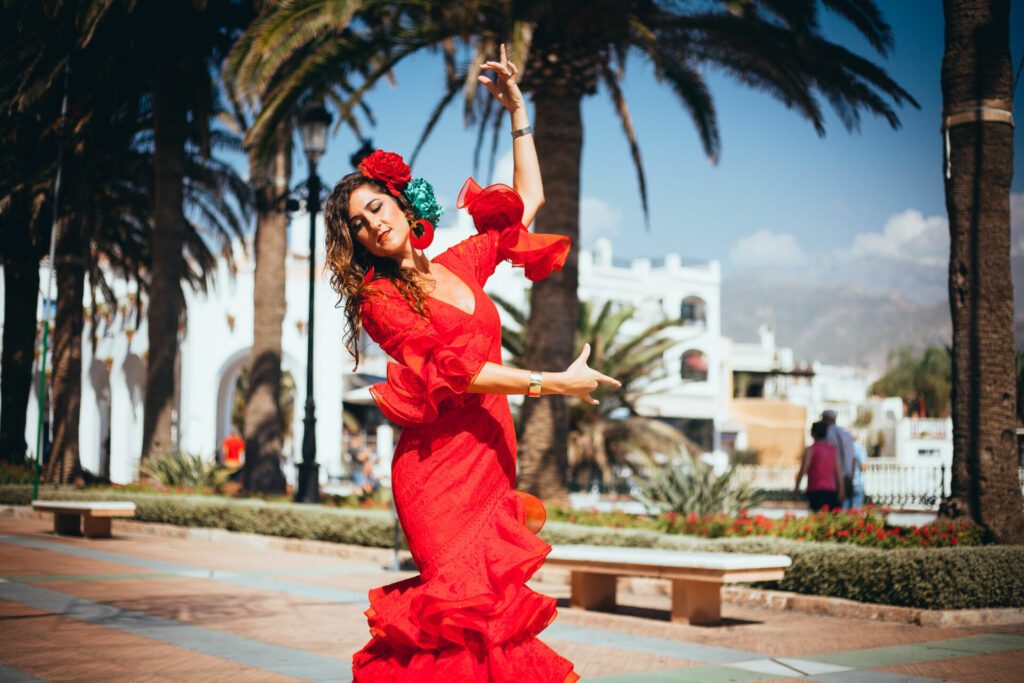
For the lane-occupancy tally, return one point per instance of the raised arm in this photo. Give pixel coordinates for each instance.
(526, 172)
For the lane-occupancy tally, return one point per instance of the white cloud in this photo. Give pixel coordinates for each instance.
(907, 236)
(767, 249)
(598, 219)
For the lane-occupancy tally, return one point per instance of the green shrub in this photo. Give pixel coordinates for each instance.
(373, 528)
(16, 474)
(928, 578)
(692, 487)
(178, 468)
(931, 578)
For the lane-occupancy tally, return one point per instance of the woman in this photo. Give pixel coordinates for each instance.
(824, 472)
(468, 616)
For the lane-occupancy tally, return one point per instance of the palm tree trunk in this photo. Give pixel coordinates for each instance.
(165, 305)
(976, 70)
(554, 302)
(264, 436)
(21, 284)
(63, 466)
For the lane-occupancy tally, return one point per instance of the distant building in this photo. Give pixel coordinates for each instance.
(724, 396)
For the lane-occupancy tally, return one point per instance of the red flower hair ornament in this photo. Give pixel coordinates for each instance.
(391, 169)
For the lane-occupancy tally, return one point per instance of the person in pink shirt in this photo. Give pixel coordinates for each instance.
(820, 462)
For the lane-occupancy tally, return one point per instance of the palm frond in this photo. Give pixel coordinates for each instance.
(622, 109)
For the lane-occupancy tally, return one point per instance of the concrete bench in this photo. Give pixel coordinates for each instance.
(84, 518)
(697, 578)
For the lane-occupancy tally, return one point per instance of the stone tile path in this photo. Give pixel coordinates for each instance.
(150, 608)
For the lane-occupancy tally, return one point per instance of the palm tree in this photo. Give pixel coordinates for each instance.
(255, 66)
(923, 381)
(597, 440)
(566, 50)
(269, 179)
(181, 83)
(22, 218)
(977, 93)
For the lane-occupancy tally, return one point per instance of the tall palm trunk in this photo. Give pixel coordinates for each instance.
(64, 466)
(554, 302)
(170, 129)
(264, 436)
(976, 72)
(21, 284)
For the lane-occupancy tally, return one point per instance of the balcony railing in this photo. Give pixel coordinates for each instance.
(905, 486)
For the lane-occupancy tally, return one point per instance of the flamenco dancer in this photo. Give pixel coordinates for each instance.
(468, 615)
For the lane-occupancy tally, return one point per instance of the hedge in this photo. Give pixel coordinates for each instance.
(933, 578)
(371, 528)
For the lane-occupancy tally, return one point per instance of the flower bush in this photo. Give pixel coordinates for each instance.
(867, 527)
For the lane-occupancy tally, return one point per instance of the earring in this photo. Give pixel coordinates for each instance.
(422, 234)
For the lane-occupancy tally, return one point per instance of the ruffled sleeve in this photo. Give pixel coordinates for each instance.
(429, 368)
(497, 213)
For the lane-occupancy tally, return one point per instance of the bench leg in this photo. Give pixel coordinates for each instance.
(67, 525)
(696, 602)
(96, 527)
(592, 591)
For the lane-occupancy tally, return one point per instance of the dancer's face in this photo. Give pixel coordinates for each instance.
(378, 223)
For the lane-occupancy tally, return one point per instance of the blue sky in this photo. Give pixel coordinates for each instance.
(780, 195)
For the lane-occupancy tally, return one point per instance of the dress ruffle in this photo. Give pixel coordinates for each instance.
(434, 371)
(499, 207)
(472, 619)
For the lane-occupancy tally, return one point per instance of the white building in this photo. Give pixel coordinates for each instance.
(214, 347)
(695, 394)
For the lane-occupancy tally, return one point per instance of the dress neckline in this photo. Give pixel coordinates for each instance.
(451, 305)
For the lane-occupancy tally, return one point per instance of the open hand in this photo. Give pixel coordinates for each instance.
(504, 86)
(579, 379)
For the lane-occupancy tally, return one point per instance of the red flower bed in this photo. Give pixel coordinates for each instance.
(867, 527)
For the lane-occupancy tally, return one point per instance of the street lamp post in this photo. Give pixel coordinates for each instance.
(313, 123)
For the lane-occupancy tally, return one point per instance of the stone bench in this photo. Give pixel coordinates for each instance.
(84, 518)
(697, 578)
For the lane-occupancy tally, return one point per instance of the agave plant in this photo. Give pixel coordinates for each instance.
(191, 470)
(687, 486)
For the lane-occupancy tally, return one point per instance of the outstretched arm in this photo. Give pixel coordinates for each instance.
(577, 380)
(526, 174)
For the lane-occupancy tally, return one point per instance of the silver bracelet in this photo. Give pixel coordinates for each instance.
(520, 132)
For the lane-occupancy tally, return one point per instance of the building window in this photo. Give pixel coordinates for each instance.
(695, 366)
(693, 311)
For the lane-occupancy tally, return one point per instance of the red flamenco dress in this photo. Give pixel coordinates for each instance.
(468, 615)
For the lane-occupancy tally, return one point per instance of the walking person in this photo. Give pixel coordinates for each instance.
(860, 465)
(842, 441)
(820, 463)
(468, 615)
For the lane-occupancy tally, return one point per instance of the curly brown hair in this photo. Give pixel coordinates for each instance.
(349, 261)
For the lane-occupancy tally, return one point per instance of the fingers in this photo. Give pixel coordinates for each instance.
(489, 84)
(502, 69)
(585, 353)
(591, 400)
(610, 381)
(504, 57)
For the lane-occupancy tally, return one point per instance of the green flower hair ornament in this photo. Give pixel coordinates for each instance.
(420, 194)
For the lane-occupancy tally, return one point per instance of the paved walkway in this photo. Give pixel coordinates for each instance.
(148, 608)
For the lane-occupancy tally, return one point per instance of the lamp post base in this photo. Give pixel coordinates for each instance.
(308, 483)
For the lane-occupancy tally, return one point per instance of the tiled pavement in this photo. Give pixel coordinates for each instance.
(149, 608)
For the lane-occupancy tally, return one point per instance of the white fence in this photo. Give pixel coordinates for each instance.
(904, 486)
